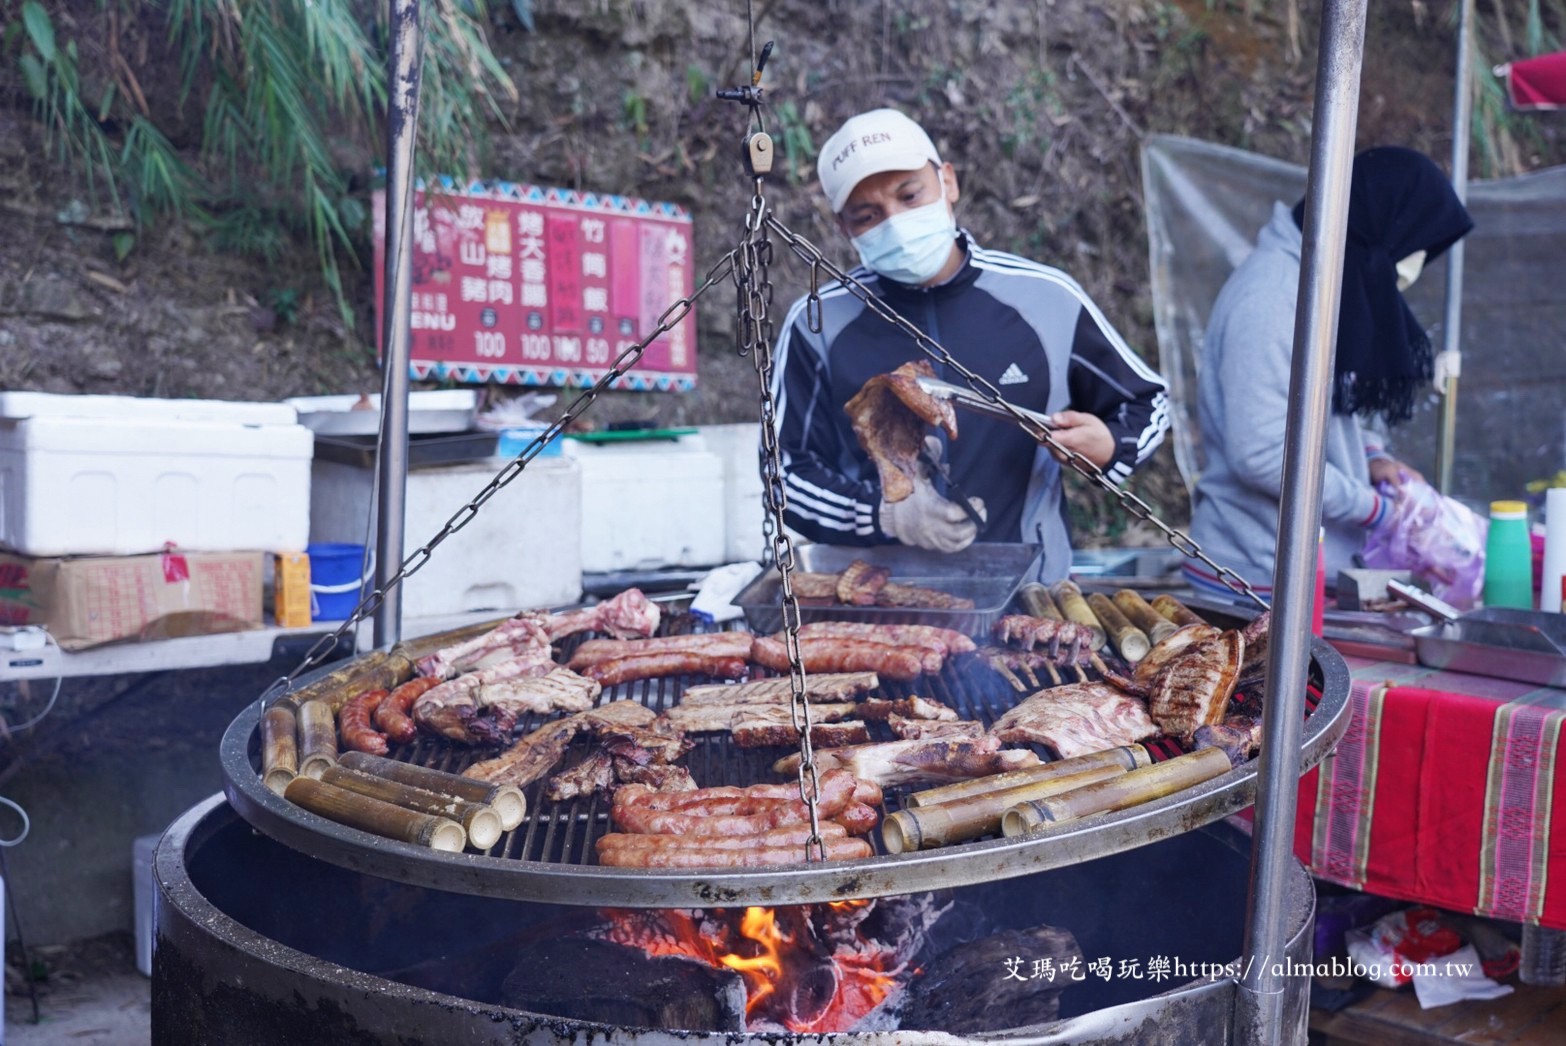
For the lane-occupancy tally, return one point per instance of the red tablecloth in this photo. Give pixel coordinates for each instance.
(1446, 789)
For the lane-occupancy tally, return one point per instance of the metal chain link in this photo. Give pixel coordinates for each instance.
(510, 471)
(753, 289)
(1079, 464)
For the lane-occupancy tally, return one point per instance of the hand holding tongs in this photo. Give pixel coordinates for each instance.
(971, 400)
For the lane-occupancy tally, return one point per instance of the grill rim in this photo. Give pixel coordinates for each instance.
(878, 876)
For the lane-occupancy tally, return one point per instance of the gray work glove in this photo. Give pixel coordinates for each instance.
(927, 520)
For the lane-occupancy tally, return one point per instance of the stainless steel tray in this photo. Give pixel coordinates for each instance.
(988, 573)
(1526, 645)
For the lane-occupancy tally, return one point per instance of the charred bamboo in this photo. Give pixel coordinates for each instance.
(1117, 793)
(1131, 641)
(1069, 597)
(373, 671)
(506, 800)
(1125, 757)
(481, 822)
(1035, 600)
(317, 738)
(374, 816)
(1175, 610)
(279, 747)
(1140, 613)
(942, 824)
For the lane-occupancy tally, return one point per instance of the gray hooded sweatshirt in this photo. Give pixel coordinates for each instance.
(1244, 382)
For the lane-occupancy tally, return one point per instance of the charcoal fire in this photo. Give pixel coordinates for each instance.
(836, 967)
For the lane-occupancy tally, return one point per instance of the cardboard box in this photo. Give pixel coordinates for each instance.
(291, 590)
(94, 600)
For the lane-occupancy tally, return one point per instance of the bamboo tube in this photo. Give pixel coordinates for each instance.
(279, 747)
(1034, 598)
(481, 822)
(374, 816)
(1175, 610)
(941, 824)
(1126, 757)
(1069, 598)
(1131, 641)
(1140, 613)
(373, 671)
(1117, 793)
(317, 738)
(506, 800)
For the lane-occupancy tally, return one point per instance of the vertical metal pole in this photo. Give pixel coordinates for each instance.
(1259, 1002)
(402, 118)
(1452, 326)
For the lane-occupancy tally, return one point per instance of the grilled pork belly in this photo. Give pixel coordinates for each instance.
(1077, 719)
(888, 415)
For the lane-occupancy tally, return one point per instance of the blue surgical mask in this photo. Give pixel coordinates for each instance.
(910, 247)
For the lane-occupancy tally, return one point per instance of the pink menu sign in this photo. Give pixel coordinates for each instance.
(523, 285)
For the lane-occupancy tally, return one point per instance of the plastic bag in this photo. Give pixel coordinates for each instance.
(1440, 540)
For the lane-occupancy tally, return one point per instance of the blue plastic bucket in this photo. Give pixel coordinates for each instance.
(335, 581)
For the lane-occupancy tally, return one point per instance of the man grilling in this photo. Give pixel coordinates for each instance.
(1028, 329)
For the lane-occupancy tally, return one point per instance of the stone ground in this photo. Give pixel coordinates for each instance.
(93, 993)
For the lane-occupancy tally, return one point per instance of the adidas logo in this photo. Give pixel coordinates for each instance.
(1013, 376)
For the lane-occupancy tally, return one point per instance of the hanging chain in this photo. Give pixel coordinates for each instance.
(510, 471)
(1079, 464)
(753, 290)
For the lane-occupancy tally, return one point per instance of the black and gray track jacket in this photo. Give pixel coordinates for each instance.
(1028, 329)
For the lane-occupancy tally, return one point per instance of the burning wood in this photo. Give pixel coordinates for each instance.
(807, 968)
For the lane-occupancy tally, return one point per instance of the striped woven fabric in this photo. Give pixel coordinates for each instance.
(1447, 789)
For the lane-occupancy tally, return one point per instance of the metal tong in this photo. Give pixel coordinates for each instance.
(968, 399)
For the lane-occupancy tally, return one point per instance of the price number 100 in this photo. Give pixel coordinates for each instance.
(489, 345)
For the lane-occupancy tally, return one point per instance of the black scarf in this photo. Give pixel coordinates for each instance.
(1399, 203)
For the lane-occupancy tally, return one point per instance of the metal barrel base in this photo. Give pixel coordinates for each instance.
(260, 945)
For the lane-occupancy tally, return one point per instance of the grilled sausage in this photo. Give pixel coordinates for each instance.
(391, 715)
(713, 644)
(756, 815)
(867, 792)
(670, 663)
(841, 655)
(353, 723)
(858, 818)
(688, 856)
(788, 835)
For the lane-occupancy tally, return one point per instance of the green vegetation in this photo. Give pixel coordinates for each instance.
(291, 95)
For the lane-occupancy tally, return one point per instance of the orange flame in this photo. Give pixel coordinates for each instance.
(762, 971)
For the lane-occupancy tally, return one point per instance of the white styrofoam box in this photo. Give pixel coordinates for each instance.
(650, 504)
(17, 405)
(120, 485)
(523, 549)
(142, 850)
(739, 448)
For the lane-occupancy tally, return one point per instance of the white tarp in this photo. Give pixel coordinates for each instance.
(1205, 204)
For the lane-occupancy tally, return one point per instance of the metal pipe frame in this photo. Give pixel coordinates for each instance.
(1452, 324)
(1259, 1004)
(391, 483)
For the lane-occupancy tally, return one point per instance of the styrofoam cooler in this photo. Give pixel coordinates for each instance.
(142, 850)
(110, 475)
(739, 446)
(523, 549)
(650, 504)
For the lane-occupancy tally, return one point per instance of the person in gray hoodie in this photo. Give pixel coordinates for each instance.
(1402, 213)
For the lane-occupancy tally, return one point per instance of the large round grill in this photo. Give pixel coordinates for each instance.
(550, 855)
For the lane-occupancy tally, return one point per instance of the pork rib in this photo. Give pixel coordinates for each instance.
(888, 415)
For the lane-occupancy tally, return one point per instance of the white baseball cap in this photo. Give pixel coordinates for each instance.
(872, 142)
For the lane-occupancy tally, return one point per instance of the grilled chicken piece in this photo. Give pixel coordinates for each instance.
(593, 774)
(888, 415)
(530, 758)
(1239, 736)
(819, 687)
(1173, 645)
(561, 690)
(920, 729)
(1193, 681)
(860, 583)
(936, 760)
(895, 595)
(1077, 719)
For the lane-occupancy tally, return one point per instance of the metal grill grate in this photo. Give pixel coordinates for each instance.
(565, 833)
